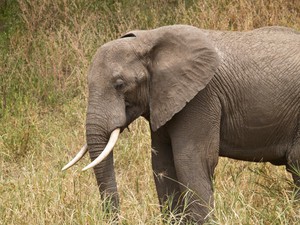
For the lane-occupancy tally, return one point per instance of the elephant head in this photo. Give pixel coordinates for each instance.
(150, 73)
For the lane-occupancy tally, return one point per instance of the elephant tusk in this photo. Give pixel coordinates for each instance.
(109, 147)
(79, 155)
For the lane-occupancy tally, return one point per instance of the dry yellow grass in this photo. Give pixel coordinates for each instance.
(45, 55)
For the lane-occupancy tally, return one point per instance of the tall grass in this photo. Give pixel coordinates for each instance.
(46, 47)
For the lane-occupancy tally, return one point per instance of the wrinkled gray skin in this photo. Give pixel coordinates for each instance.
(205, 94)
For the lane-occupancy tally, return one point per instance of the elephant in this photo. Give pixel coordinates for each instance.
(205, 94)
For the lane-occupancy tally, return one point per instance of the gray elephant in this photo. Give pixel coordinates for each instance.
(205, 94)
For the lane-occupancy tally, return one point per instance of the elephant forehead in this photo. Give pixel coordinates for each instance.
(113, 69)
(116, 51)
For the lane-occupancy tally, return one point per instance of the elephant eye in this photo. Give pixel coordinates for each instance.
(119, 84)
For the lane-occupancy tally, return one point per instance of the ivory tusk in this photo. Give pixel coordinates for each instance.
(79, 155)
(109, 147)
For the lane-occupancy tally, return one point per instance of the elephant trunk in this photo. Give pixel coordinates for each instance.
(97, 139)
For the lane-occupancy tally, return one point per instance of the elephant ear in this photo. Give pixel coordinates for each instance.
(181, 62)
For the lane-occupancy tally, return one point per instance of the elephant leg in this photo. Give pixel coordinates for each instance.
(195, 164)
(164, 172)
(293, 164)
(195, 138)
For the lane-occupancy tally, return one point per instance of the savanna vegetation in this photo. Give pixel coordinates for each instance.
(45, 50)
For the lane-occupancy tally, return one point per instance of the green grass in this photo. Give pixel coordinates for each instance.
(46, 48)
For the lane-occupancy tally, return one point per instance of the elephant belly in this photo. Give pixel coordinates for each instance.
(261, 142)
(259, 130)
(273, 154)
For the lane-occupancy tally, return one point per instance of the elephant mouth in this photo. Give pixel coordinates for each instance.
(108, 148)
(132, 112)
